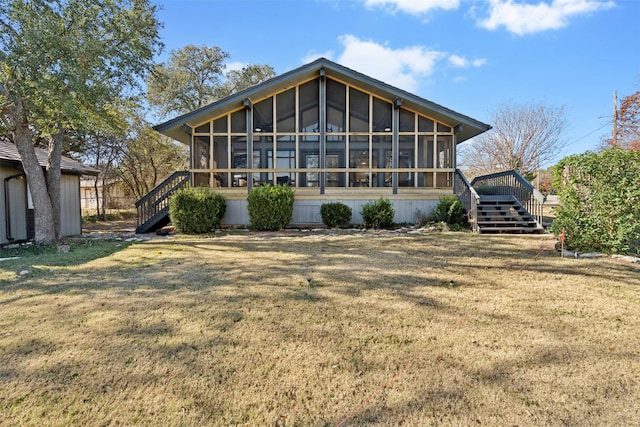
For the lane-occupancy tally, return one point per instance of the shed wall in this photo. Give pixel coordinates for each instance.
(70, 212)
(17, 206)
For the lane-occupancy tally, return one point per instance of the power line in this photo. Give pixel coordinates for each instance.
(589, 134)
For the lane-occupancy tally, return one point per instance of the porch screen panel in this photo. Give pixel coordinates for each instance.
(444, 160)
(358, 111)
(239, 161)
(263, 116)
(286, 159)
(238, 122)
(336, 106)
(407, 121)
(201, 160)
(382, 151)
(335, 159)
(425, 124)
(406, 160)
(220, 161)
(309, 158)
(286, 111)
(382, 115)
(308, 107)
(262, 147)
(359, 158)
(220, 125)
(425, 160)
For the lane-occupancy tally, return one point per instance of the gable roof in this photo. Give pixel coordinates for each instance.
(470, 127)
(9, 155)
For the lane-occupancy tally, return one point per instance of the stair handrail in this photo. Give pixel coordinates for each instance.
(156, 201)
(512, 183)
(468, 197)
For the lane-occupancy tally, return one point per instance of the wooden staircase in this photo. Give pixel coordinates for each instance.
(153, 209)
(504, 214)
(503, 202)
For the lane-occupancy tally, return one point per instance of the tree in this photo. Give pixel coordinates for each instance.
(524, 137)
(194, 76)
(628, 124)
(148, 157)
(62, 63)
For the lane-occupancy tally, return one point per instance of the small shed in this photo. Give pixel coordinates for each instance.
(16, 207)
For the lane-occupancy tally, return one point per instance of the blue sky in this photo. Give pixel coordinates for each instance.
(468, 55)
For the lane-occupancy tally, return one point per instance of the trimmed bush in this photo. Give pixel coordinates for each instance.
(196, 210)
(450, 210)
(335, 214)
(378, 214)
(270, 207)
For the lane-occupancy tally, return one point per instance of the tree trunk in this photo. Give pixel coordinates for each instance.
(95, 188)
(53, 177)
(44, 224)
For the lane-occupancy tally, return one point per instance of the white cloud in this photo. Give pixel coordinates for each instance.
(479, 62)
(413, 7)
(462, 62)
(312, 56)
(403, 68)
(524, 18)
(235, 66)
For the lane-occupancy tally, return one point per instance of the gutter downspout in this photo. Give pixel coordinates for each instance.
(7, 205)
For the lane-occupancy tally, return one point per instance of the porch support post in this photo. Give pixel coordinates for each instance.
(323, 127)
(192, 146)
(248, 108)
(395, 144)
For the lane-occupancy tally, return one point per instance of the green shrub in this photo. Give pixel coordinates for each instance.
(378, 214)
(196, 210)
(599, 201)
(450, 210)
(335, 214)
(270, 207)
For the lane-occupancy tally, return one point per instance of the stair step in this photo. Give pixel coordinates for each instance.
(508, 220)
(510, 230)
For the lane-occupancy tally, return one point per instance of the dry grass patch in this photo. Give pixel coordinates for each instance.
(226, 331)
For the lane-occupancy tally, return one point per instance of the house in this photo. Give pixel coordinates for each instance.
(333, 134)
(113, 192)
(16, 208)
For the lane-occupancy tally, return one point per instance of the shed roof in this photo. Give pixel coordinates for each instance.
(470, 127)
(9, 155)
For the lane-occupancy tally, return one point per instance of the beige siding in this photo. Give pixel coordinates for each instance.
(70, 217)
(307, 211)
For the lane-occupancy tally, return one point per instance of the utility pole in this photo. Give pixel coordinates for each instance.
(615, 119)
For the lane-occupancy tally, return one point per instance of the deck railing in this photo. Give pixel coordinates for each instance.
(511, 183)
(468, 196)
(155, 205)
